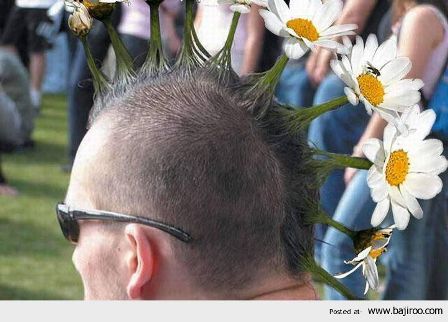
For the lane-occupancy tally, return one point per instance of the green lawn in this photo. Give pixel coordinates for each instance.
(35, 260)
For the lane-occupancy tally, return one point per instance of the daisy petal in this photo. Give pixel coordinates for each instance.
(380, 212)
(351, 96)
(370, 48)
(338, 30)
(362, 255)
(371, 273)
(357, 53)
(294, 48)
(411, 203)
(389, 135)
(342, 275)
(280, 9)
(425, 122)
(428, 164)
(395, 70)
(401, 216)
(366, 289)
(273, 24)
(428, 148)
(379, 192)
(373, 150)
(385, 52)
(329, 13)
(423, 185)
(298, 7)
(374, 176)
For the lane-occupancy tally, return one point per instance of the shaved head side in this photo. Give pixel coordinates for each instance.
(184, 149)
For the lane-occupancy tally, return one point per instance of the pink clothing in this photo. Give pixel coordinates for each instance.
(135, 17)
(213, 29)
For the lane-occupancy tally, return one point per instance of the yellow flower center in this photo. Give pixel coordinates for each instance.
(371, 88)
(397, 167)
(303, 28)
(375, 253)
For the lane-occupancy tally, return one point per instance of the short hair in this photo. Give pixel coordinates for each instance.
(188, 149)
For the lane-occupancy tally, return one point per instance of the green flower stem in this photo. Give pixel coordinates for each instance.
(124, 62)
(233, 26)
(100, 83)
(223, 59)
(155, 60)
(327, 278)
(272, 76)
(301, 118)
(187, 57)
(322, 218)
(341, 161)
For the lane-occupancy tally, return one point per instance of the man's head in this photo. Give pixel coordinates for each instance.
(185, 150)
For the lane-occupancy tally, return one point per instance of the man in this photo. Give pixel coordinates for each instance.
(23, 23)
(225, 190)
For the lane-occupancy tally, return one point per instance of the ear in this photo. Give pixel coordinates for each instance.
(140, 262)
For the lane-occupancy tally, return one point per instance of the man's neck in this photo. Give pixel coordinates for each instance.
(288, 290)
(297, 292)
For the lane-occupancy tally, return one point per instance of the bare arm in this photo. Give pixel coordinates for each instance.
(254, 41)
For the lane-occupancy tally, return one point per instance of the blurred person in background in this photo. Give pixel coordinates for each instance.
(414, 268)
(16, 111)
(338, 131)
(134, 27)
(212, 23)
(23, 22)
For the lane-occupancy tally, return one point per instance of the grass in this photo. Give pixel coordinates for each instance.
(35, 260)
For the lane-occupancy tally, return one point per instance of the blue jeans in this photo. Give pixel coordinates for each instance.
(337, 131)
(294, 87)
(417, 261)
(80, 93)
(354, 211)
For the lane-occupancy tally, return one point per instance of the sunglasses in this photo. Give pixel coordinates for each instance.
(68, 220)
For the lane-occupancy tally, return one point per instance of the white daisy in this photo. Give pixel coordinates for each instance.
(405, 167)
(242, 6)
(376, 245)
(374, 74)
(305, 24)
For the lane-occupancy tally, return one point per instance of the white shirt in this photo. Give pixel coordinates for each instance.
(44, 4)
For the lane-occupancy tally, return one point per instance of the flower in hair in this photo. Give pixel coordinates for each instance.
(371, 244)
(306, 24)
(405, 167)
(374, 75)
(80, 22)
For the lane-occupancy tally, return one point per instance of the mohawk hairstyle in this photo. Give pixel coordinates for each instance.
(189, 149)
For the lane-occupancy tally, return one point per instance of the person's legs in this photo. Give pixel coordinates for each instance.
(37, 45)
(336, 131)
(354, 211)
(294, 87)
(416, 262)
(137, 47)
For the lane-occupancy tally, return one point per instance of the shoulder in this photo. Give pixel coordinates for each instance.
(424, 21)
